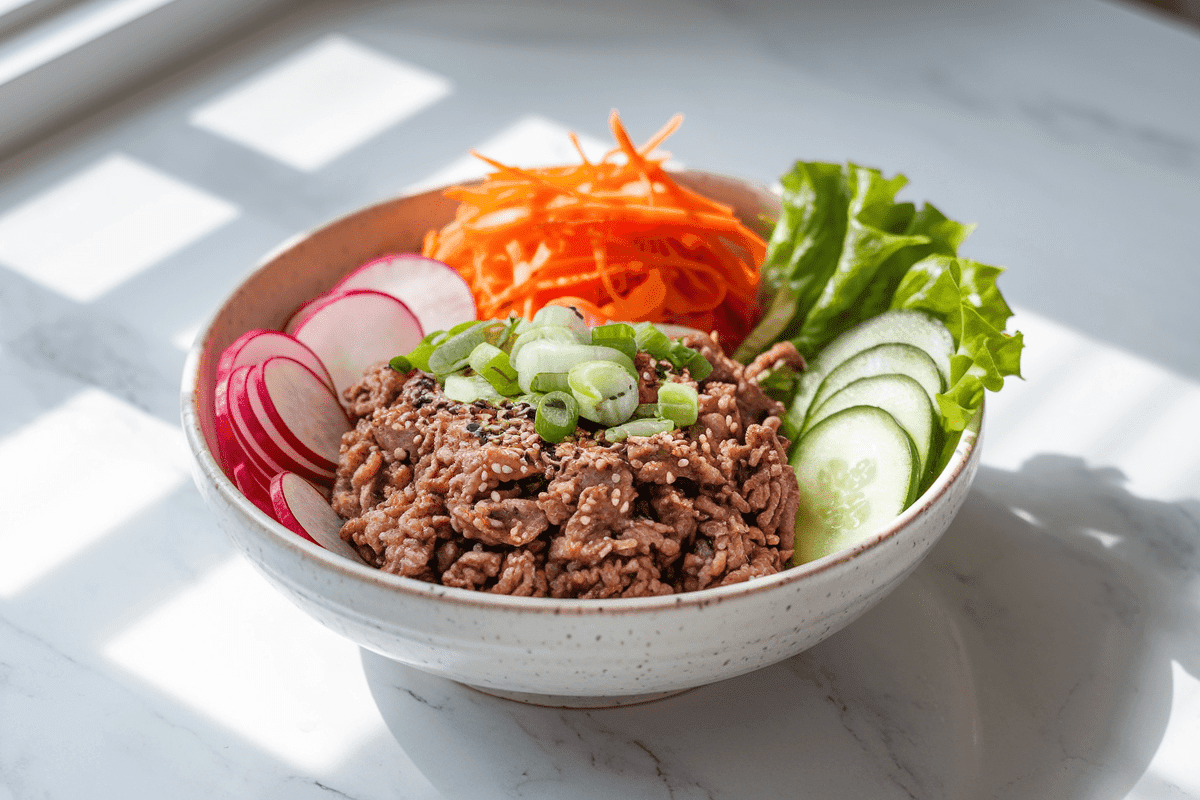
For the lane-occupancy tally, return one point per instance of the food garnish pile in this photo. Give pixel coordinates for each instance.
(595, 382)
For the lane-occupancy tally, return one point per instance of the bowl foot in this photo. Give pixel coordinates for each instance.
(574, 701)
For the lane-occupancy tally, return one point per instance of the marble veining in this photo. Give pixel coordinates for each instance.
(1047, 647)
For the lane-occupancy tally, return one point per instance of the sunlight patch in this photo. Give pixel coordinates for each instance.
(321, 103)
(105, 225)
(94, 458)
(233, 650)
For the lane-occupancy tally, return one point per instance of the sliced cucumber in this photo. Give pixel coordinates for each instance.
(857, 469)
(903, 326)
(899, 395)
(882, 359)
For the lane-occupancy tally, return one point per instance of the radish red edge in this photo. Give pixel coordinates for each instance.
(255, 454)
(268, 443)
(301, 508)
(351, 331)
(435, 292)
(256, 346)
(314, 398)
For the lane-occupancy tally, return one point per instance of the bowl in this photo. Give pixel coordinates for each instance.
(561, 652)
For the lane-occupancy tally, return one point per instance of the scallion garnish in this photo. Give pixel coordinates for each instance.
(557, 416)
(607, 393)
(492, 363)
(638, 427)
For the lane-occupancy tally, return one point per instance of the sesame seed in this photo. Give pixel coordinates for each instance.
(496, 523)
(683, 462)
(506, 469)
(585, 520)
(616, 478)
(625, 507)
(670, 477)
(616, 500)
(495, 497)
(616, 493)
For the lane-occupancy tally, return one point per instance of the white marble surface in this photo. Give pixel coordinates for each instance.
(1049, 647)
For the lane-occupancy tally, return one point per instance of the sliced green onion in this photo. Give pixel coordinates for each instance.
(684, 357)
(697, 366)
(646, 411)
(557, 416)
(492, 363)
(607, 393)
(638, 427)
(555, 357)
(679, 403)
(401, 364)
(549, 333)
(419, 356)
(563, 317)
(654, 341)
(549, 382)
(469, 388)
(453, 353)
(617, 335)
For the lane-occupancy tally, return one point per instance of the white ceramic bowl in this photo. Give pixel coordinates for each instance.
(558, 652)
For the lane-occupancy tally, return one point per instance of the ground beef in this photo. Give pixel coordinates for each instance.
(469, 495)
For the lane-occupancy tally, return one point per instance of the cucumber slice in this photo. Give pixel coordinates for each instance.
(899, 395)
(903, 326)
(882, 359)
(857, 471)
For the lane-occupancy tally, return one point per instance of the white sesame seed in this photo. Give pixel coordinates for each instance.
(495, 497)
(616, 500)
(670, 477)
(585, 520)
(616, 478)
(616, 493)
(506, 469)
(683, 462)
(625, 507)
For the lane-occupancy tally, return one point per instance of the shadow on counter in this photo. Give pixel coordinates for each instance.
(1029, 656)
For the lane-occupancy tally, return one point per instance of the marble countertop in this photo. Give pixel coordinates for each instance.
(1048, 647)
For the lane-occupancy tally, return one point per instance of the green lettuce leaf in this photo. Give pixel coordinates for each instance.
(963, 295)
(843, 251)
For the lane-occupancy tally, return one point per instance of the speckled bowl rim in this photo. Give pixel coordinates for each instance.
(417, 589)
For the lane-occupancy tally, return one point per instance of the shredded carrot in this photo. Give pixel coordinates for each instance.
(618, 238)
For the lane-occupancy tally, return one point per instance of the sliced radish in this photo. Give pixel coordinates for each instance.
(228, 449)
(305, 311)
(433, 290)
(266, 434)
(251, 485)
(256, 346)
(350, 332)
(301, 508)
(245, 428)
(304, 415)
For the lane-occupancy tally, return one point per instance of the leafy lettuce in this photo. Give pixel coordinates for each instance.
(843, 250)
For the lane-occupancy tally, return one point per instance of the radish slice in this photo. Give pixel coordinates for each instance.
(302, 414)
(268, 436)
(250, 484)
(302, 509)
(305, 311)
(350, 332)
(245, 427)
(256, 346)
(433, 290)
(229, 452)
